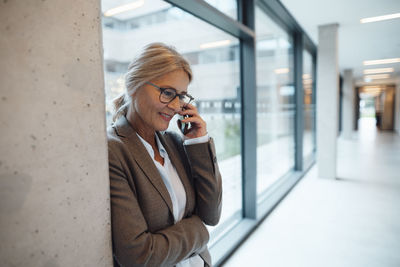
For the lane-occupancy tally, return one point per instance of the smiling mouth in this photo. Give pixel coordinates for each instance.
(165, 116)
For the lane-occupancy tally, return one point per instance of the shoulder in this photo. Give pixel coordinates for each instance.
(173, 136)
(174, 140)
(113, 139)
(117, 149)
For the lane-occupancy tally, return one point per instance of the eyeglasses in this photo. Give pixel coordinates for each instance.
(167, 95)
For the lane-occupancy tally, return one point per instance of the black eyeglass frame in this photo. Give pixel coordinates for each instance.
(162, 89)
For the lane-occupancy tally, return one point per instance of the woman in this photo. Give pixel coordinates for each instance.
(163, 190)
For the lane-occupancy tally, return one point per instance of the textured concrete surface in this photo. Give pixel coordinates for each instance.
(350, 221)
(54, 208)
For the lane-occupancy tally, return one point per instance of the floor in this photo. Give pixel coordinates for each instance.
(352, 221)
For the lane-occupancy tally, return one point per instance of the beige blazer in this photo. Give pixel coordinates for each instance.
(143, 229)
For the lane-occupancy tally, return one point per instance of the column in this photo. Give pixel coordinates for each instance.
(397, 110)
(327, 100)
(298, 79)
(54, 185)
(388, 108)
(348, 104)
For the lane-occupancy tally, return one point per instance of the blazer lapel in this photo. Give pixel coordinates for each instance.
(142, 157)
(173, 154)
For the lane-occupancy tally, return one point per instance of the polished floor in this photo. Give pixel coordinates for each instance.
(352, 221)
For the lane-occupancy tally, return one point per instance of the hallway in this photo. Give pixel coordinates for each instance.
(353, 221)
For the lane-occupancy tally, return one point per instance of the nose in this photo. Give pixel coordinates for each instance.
(175, 104)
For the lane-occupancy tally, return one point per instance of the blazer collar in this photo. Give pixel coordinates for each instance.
(124, 129)
(139, 153)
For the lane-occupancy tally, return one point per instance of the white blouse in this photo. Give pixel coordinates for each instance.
(175, 187)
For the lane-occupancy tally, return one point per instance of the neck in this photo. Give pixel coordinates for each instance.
(140, 127)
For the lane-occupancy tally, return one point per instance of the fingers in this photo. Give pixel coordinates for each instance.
(195, 120)
(192, 113)
(198, 126)
(188, 109)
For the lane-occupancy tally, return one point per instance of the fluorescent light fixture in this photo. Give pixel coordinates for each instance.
(377, 76)
(381, 61)
(381, 70)
(282, 71)
(372, 92)
(380, 18)
(366, 79)
(215, 44)
(123, 8)
(369, 89)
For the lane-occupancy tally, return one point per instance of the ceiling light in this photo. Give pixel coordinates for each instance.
(366, 79)
(377, 76)
(371, 90)
(380, 18)
(381, 70)
(282, 71)
(123, 8)
(215, 44)
(381, 61)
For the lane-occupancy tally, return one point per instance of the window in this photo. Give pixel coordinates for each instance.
(275, 102)
(214, 54)
(229, 7)
(214, 57)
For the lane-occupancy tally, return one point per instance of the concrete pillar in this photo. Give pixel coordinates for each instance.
(54, 188)
(348, 104)
(327, 100)
(388, 109)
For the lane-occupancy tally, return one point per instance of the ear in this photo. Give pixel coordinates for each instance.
(135, 92)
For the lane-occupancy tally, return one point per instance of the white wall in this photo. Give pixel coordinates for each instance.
(54, 191)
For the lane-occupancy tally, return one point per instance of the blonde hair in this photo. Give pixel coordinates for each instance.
(156, 60)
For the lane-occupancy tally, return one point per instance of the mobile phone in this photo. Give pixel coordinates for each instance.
(183, 126)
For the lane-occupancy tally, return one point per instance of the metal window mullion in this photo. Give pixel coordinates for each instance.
(249, 112)
(210, 14)
(299, 94)
(314, 99)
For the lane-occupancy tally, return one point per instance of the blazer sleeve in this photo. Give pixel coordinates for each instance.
(207, 181)
(134, 244)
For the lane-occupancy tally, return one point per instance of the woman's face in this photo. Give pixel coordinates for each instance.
(149, 113)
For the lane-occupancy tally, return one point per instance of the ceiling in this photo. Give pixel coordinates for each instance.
(357, 42)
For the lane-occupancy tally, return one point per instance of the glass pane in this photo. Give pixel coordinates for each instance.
(229, 7)
(309, 112)
(275, 102)
(214, 57)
